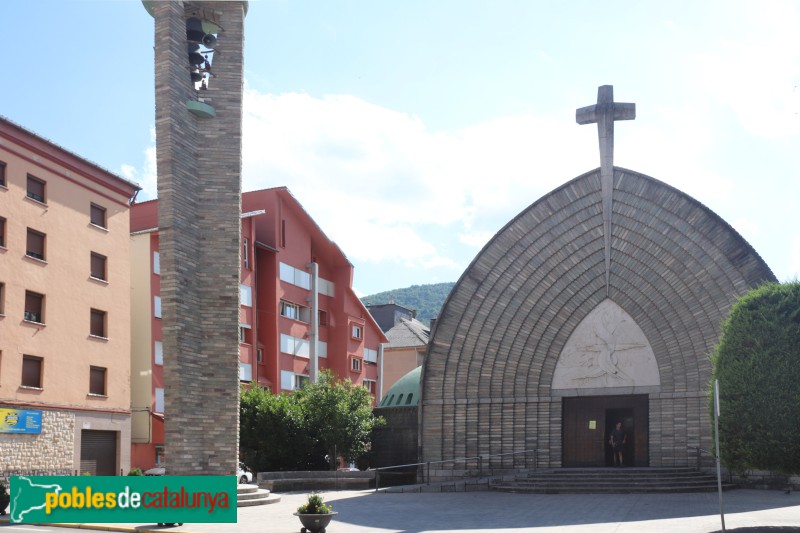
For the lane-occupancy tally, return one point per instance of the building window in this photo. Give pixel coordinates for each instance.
(2, 232)
(35, 244)
(36, 189)
(159, 403)
(245, 334)
(97, 215)
(245, 253)
(158, 353)
(289, 310)
(371, 386)
(98, 266)
(294, 345)
(97, 381)
(295, 276)
(3, 174)
(156, 263)
(370, 356)
(32, 371)
(355, 364)
(294, 311)
(157, 306)
(292, 381)
(323, 318)
(326, 287)
(357, 332)
(245, 372)
(34, 307)
(283, 234)
(2, 299)
(246, 295)
(259, 356)
(98, 323)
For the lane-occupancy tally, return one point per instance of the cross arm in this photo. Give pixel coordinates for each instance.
(586, 115)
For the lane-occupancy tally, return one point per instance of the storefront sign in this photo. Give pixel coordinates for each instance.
(20, 421)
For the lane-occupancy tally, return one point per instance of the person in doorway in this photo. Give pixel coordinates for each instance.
(618, 439)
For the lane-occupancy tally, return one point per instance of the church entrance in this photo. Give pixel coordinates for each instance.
(587, 425)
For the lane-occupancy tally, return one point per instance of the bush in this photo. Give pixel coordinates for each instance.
(297, 431)
(135, 471)
(757, 363)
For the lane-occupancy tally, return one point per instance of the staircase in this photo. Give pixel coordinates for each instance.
(611, 480)
(250, 495)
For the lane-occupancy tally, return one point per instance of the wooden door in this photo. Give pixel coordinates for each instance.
(585, 434)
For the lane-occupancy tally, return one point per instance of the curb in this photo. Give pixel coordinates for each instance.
(100, 527)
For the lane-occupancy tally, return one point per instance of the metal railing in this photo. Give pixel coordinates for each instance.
(478, 458)
(699, 452)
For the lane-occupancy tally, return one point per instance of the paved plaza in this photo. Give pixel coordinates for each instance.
(747, 511)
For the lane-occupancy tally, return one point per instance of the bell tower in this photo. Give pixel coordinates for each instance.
(198, 83)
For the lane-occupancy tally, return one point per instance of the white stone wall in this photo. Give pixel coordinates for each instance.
(51, 451)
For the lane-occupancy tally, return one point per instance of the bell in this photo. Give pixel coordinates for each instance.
(194, 29)
(196, 76)
(209, 40)
(195, 58)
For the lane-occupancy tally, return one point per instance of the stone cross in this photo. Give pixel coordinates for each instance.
(604, 113)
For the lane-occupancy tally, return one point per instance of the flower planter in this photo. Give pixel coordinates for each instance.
(315, 523)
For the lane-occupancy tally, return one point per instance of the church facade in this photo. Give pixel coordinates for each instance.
(600, 303)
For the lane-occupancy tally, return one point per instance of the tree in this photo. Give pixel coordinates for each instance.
(757, 363)
(339, 417)
(297, 431)
(273, 433)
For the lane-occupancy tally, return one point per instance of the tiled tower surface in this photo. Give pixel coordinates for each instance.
(199, 190)
(676, 269)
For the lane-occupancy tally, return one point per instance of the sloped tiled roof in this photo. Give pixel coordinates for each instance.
(408, 333)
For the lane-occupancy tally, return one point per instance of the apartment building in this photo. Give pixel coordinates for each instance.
(64, 310)
(298, 311)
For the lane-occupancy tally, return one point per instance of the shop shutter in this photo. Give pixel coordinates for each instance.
(99, 452)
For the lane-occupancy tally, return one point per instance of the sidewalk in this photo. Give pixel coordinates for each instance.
(469, 512)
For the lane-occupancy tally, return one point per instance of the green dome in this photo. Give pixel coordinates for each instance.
(405, 392)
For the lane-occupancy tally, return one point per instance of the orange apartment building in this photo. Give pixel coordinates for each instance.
(289, 269)
(64, 310)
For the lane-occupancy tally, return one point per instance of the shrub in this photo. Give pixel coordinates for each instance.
(757, 363)
(315, 505)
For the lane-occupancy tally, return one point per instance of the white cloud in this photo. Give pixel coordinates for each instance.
(354, 164)
(747, 228)
(146, 177)
(755, 73)
(377, 180)
(475, 240)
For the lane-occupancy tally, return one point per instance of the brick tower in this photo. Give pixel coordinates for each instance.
(199, 152)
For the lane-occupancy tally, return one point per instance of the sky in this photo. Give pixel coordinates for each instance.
(412, 131)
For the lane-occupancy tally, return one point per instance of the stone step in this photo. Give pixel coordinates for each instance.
(555, 489)
(245, 488)
(269, 499)
(617, 479)
(611, 480)
(251, 495)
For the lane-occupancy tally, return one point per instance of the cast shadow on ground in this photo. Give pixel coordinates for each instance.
(414, 513)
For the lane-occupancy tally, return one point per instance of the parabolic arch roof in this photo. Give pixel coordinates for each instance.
(676, 267)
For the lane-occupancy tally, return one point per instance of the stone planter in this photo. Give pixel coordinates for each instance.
(315, 523)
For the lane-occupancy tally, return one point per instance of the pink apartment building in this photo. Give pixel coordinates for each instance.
(64, 310)
(298, 312)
